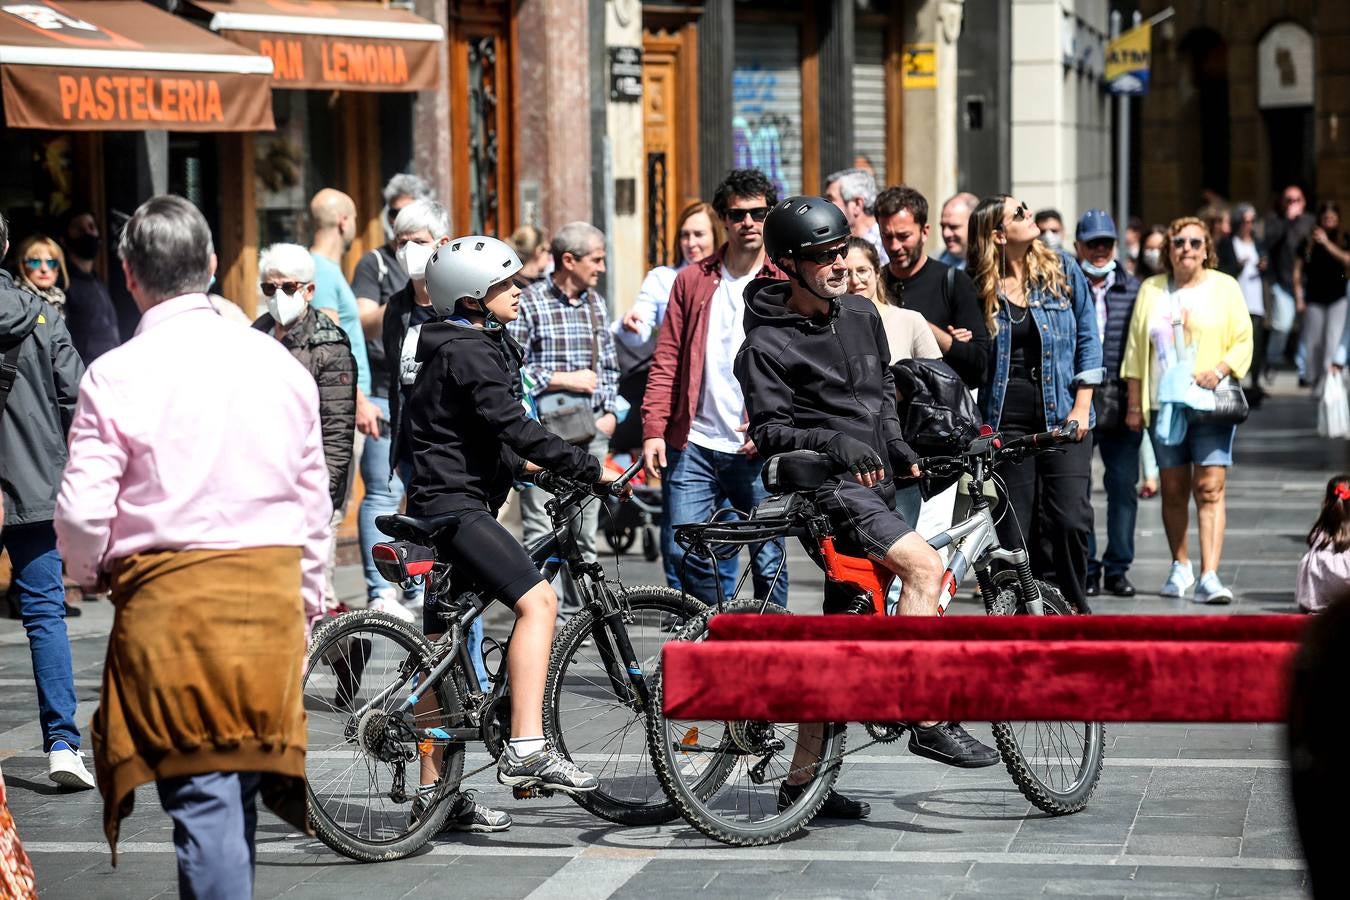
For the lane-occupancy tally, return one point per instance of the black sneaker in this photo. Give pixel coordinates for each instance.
(1120, 586)
(1094, 586)
(466, 815)
(836, 805)
(948, 742)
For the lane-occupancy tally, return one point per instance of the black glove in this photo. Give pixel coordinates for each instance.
(852, 455)
(903, 459)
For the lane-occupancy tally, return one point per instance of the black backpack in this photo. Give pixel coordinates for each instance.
(937, 415)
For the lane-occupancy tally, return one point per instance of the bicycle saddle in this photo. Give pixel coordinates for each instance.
(418, 529)
(797, 470)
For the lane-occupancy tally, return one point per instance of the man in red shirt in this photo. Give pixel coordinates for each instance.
(693, 414)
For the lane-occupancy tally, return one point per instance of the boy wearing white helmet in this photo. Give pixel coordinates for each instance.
(469, 439)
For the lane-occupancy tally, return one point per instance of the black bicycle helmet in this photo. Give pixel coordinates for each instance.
(801, 223)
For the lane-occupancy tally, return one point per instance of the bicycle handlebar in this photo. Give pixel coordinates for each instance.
(989, 444)
(1044, 440)
(560, 486)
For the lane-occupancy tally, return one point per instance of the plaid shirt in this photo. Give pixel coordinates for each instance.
(556, 333)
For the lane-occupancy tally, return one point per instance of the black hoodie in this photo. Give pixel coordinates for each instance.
(467, 430)
(806, 381)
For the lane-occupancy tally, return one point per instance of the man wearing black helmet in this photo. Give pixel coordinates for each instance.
(814, 373)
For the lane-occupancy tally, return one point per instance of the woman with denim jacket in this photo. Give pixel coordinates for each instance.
(1046, 357)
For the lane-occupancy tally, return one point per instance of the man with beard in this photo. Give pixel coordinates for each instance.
(943, 296)
(813, 370)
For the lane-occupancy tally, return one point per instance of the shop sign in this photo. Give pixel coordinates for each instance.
(920, 66)
(1127, 61)
(343, 63)
(625, 74)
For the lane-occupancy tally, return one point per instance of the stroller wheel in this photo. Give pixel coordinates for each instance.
(620, 537)
(650, 551)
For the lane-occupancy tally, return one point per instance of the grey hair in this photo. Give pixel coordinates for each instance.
(855, 183)
(1239, 213)
(167, 246)
(423, 215)
(287, 260)
(406, 184)
(576, 238)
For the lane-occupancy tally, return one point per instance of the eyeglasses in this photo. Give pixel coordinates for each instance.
(1181, 243)
(825, 256)
(756, 213)
(36, 264)
(269, 289)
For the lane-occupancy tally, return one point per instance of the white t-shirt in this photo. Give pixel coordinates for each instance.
(1249, 279)
(721, 408)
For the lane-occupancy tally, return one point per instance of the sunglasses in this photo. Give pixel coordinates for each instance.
(36, 264)
(825, 256)
(269, 289)
(1181, 243)
(757, 214)
(1100, 244)
(1020, 213)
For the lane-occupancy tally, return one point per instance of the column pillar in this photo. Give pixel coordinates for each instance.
(836, 89)
(716, 63)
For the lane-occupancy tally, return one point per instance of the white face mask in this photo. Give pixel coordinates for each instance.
(286, 308)
(1052, 239)
(1152, 258)
(413, 257)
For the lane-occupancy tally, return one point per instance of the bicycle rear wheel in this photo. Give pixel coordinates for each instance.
(593, 726)
(724, 777)
(1056, 765)
(361, 779)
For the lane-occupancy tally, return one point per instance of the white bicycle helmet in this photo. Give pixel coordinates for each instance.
(468, 267)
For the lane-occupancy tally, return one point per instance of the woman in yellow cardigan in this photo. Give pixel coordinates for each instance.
(1218, 331)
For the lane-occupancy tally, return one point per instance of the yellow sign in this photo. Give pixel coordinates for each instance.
(1127, 61)
(920, 61)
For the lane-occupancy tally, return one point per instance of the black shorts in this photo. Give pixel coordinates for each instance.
(484, 555)
(864, 519)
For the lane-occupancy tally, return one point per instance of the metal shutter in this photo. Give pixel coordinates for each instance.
(766, 126)
(869, 99)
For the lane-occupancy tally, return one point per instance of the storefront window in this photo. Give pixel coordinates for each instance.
(293, 163)
(37, 180)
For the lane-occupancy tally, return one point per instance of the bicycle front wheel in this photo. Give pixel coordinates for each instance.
(1056, 765)
(363, 763)
(603, 731)
(726, 777)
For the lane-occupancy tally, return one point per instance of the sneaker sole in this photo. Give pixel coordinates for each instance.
(1213, 599)
(954, 763)
(71, 780)
(477, 828)
(534, 781)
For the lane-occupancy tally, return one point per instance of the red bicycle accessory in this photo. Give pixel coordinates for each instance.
(399, 561)
(869, 577)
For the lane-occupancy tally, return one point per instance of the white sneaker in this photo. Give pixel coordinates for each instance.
(65, 766)
(1211, 590)
(390, 607)
(1179, 580)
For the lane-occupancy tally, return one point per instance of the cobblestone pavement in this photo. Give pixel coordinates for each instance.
(1181, 811)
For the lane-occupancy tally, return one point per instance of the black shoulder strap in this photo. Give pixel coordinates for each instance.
(948, 286)
(9, 372)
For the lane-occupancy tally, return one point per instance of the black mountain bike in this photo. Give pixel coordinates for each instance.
(382, 699)
(724, 776)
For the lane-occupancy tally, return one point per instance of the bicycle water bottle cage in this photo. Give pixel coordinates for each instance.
(402, 561)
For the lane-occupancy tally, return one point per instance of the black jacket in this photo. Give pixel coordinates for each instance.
(946, 300)
(90, 315)
(321, 346)
(41, 404)
(806, 381)
(466, 428)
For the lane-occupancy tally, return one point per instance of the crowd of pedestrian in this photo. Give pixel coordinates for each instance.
(168, 470)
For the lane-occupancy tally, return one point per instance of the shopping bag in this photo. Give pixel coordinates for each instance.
(1333, 412)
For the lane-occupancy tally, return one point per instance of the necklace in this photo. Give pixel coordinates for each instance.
(1026, 310)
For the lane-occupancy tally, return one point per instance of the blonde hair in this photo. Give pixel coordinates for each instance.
(52, 247)
(985, 262)
(1211, 257)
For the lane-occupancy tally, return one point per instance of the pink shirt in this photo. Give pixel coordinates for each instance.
(197, 434)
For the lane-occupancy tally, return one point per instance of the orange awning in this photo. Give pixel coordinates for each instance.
(124, 65)
(334, 44)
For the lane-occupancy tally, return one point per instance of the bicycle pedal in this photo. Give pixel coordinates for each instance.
(531, 792)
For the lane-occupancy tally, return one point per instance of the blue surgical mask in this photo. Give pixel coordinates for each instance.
(1098, 271)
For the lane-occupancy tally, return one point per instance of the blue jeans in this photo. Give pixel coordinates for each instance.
(42, 602)
(384, 490)
(1120, 456)
(698, 482)
(215, 816)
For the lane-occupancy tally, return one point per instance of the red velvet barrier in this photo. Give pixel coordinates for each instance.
(981, 680)
(749, 627)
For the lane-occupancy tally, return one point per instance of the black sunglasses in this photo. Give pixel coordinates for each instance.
(1100, 244)
(269, 289)
(1180, 243)
(825, 256)
(757, 214)
(1020, 213)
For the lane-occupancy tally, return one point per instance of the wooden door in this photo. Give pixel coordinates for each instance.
(481, 118)
(670, 116)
